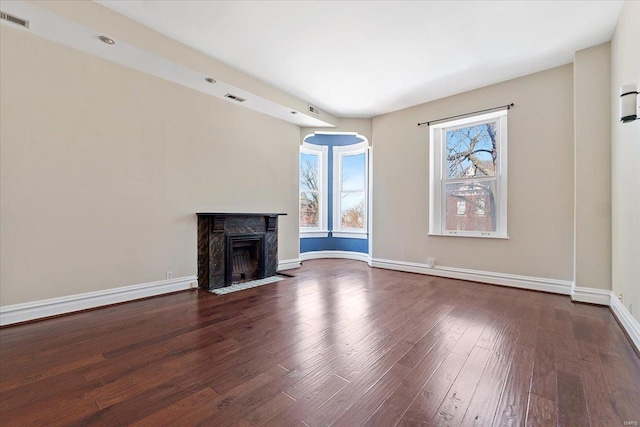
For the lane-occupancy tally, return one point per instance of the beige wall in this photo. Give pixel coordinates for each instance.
(592, 166)
(540, 181)
(104, 167)
(625, 155)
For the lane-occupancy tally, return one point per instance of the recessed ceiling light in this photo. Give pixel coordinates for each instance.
(210, 80)
(107, 40)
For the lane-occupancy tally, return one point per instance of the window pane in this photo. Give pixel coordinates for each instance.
(353, 172)
(479, 201)
(480, 209)
(308, 172)
(352, 210)
(472, 151)
(309, 209)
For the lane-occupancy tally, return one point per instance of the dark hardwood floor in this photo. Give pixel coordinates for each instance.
(339, 344)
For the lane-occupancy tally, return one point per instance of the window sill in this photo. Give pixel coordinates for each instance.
(469, 235)
(350, 234)
(312, 234)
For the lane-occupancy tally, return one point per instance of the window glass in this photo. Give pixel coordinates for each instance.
(313, 177)
(471, 151)
(353, 170)
(352, 210)
(476, 195)
(350, 190)
(309, 172)
(309, 209)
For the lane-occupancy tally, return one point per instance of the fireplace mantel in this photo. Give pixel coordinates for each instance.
(217, 230)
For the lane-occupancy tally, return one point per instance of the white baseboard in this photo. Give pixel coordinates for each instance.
(16, 313)
(288, 264)
(591, 295)
(523, 282)
(358, 256)
(628, 322)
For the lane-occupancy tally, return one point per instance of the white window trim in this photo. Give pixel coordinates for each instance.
(338, 153)
(322, 152)
(350, 234)
(312, 234)
(437, 204)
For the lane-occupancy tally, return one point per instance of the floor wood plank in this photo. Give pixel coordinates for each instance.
(572, 407)
(486, 398)
(541, 412)
(338, 344)
(424, 406)
(512, 408)
(455, 404)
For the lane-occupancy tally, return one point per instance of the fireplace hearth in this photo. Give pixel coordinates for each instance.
(236, 247)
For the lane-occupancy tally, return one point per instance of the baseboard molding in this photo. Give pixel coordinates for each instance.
(591, 295)
(358, 256)
(627, 321)
(288, 264)
(523, 282)
(17, 313)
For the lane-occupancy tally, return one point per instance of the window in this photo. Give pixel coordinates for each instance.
(313, 190)
(350, 172)
(468, 177)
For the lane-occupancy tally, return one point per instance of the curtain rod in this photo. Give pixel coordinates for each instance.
(508, 106)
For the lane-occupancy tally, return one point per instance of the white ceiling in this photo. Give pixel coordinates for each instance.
(365, 58)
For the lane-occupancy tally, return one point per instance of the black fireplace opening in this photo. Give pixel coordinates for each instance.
(245, 257)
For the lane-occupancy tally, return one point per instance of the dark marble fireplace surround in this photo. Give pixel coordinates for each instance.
(217, 233)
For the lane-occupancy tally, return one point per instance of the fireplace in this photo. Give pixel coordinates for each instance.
(236, 247)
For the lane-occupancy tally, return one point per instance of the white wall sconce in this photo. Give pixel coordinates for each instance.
(628, 103)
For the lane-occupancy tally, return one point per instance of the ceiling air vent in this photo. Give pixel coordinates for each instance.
(314, 110)
(235, 98)
(22, 22)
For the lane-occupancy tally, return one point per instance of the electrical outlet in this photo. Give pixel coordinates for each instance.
(620, 296)
(431, 262)
(169, 275)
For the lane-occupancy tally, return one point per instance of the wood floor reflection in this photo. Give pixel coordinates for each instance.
(339, 344)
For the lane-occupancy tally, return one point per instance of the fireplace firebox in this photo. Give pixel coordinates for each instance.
(236, 247)
(245, 256)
